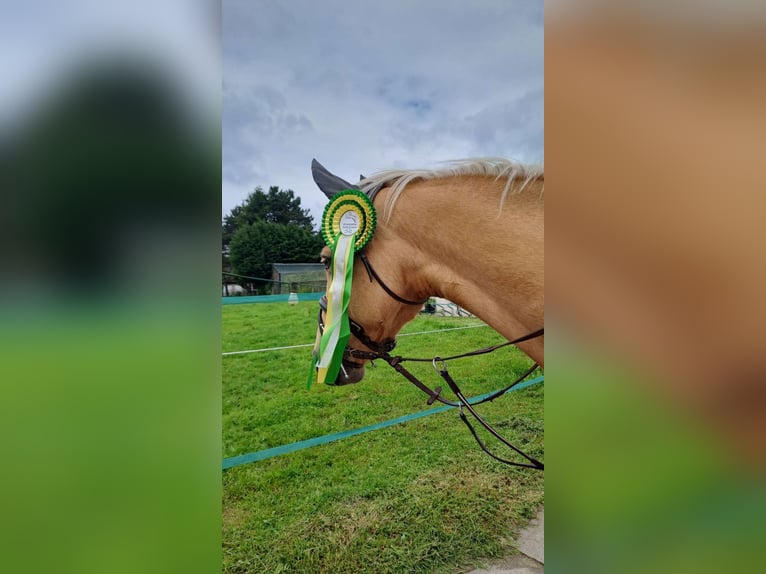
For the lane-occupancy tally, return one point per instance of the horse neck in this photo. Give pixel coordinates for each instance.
(461, 247)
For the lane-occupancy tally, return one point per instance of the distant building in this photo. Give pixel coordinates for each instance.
(298, 277)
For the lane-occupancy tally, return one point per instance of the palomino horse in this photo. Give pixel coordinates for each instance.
(471, 232)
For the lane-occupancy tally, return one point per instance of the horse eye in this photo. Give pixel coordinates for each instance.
(325, 261)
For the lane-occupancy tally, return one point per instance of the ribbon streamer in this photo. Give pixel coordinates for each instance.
(337, 330)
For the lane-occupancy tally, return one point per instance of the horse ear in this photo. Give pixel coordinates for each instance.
(361, 177)
(329, 183)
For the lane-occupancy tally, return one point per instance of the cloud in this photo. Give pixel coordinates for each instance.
(369, 86)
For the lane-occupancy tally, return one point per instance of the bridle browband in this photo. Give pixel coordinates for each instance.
(382, 350)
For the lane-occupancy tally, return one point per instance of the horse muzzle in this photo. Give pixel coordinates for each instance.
(349, 373)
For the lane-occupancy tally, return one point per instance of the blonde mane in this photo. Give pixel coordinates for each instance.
(498, 168)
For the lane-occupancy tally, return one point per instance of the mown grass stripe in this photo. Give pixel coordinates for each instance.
(316, 441)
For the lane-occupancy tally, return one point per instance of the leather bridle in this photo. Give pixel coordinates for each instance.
(378, 348)
(382, 350)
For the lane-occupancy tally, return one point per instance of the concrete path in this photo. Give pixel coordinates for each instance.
(531, 543)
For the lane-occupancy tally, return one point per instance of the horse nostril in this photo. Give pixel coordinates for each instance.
(349, 375)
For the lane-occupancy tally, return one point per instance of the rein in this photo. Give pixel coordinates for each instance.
(382, 350)
(435, 394)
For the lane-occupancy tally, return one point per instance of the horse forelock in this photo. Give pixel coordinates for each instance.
(499, 168)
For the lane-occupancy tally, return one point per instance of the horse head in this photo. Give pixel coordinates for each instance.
(383, 295)
(472, 232)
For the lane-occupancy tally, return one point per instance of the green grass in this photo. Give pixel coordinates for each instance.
(417, 497)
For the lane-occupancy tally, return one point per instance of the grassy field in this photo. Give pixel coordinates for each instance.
(419, 497)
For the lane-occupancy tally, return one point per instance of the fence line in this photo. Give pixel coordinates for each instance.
(267, 349)
(276, 298)
(234, 284)
(312, 344)
(316, 441)
(249, 277)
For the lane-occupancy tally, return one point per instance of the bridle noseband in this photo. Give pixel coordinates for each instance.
(378, 348)
(382, 350)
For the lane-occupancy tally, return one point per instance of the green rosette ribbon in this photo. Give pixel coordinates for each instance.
(348, 223)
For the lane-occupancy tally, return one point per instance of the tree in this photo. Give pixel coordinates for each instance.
(230, 224)
(256, 246)
(275, 206)
(268, 227)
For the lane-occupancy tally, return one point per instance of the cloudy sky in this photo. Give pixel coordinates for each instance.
(368, 85)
